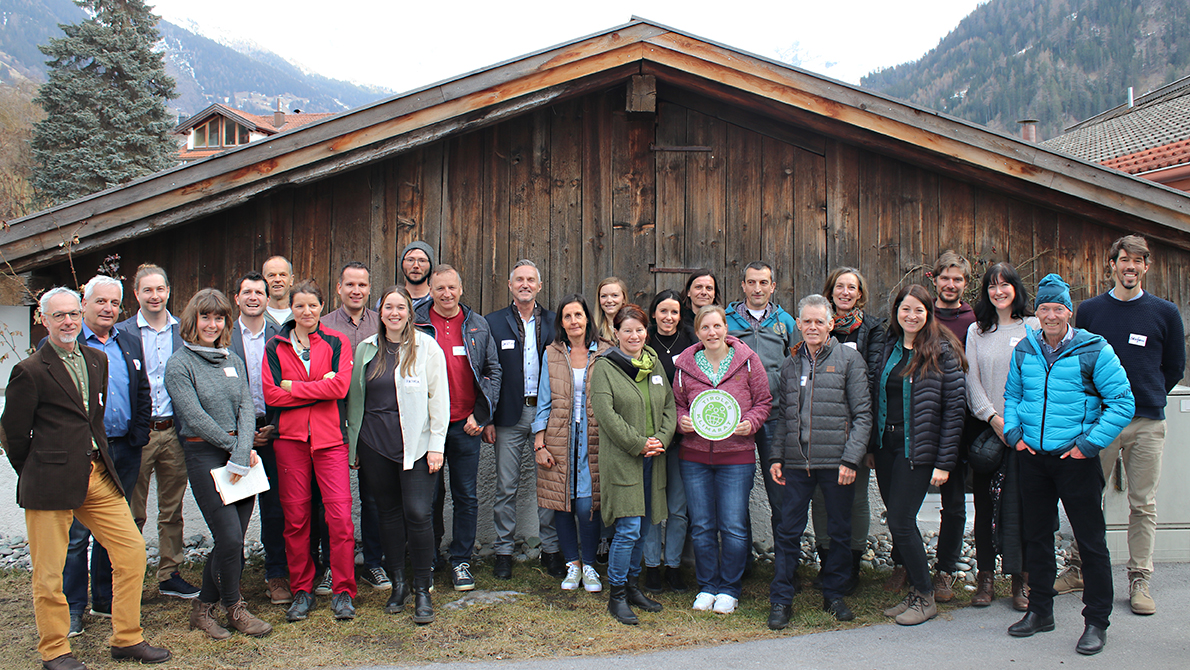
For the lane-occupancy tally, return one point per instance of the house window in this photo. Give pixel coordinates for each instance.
(208, 135)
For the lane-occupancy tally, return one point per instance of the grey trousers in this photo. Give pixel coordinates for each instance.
(514, 458)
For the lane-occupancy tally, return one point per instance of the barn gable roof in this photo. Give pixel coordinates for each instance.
(486, 96)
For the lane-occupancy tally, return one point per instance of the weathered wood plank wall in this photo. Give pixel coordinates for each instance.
(582, 189)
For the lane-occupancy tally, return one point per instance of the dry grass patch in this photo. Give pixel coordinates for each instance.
(545, 622)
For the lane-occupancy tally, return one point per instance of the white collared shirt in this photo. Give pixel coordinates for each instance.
(159, 346)
(254, 360)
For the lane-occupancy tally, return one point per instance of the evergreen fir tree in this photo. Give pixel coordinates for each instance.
(106, 122)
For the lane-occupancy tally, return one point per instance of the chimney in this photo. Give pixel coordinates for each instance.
(1131, 100)
(1028, 130)
(278, 116)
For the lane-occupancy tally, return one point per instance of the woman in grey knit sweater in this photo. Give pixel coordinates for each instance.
(216, 421)
(1002, 319)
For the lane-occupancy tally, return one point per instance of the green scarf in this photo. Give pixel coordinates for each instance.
(644, 365)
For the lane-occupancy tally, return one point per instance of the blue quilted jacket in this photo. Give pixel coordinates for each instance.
(1083, 400)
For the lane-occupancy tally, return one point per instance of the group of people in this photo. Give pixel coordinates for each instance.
(645, 426)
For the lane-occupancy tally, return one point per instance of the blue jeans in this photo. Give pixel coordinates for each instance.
(718, 508)
(587, 534)
(675, 524)
(126, 458)
(462, 457)
(836, 568)
(623, 562)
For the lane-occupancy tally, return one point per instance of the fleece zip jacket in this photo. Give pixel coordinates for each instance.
(746, 381)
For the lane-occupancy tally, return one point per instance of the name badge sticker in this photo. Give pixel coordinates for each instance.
(459, 350)
(1012, 341)
(508, 344)
(412, 381)
(657, 379)
(853, 345)
(230, 372)
(136, 364)
(1138, 340)
(804, 380)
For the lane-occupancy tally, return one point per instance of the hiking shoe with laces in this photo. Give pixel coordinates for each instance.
(921, 609)
(573, 577)
(377, 578)
(1138, 595)
(1069, 580)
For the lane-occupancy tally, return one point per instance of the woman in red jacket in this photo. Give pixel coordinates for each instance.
(309, 372)
(718, 463)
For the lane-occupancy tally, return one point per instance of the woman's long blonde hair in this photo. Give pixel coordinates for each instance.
(408, 335)
(603, 324)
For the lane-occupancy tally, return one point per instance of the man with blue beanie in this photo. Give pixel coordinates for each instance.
(1067, 398)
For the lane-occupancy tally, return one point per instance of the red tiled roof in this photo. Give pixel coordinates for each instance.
(1169, 155)
(258, 122)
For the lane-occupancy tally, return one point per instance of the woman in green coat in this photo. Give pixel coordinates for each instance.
(633, 403)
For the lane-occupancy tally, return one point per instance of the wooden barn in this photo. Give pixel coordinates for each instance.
(640, 151)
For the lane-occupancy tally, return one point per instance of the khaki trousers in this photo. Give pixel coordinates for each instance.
(105, 512)
(163, 455)
(1141, 442)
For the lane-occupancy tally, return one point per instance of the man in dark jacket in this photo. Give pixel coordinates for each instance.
(473, 377)
(952, 274)
(55, 438)
(126, 423)
(825, 417)
(249, 333)
(522, 330)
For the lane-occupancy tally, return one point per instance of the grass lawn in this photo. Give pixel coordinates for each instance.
(545, 622)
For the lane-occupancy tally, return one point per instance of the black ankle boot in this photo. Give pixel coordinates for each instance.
(400, 593)
(617, 605)
(639, 599)
(423, 609)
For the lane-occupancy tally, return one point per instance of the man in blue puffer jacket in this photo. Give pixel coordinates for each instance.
(1067, 398)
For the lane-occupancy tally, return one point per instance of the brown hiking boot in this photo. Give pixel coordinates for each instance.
(943, 586)
(202, 617)
(897, 580)
(985, 589)
(896, 610)
(921, 609)
(242, 620)
(1020, 592)
(279, 593)
(1070, 580)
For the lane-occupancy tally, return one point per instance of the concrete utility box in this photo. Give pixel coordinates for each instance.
(1173, 499)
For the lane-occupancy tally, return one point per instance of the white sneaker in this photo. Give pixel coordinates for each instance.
(591, 580)
(724, 604)
(704, 601)
(572, 577)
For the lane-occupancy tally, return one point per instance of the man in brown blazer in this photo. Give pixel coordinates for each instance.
(54, 436)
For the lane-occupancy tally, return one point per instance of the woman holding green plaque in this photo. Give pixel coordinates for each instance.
(633, 405)
(722, 395)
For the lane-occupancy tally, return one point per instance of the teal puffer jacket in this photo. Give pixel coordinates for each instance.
(1083, 399)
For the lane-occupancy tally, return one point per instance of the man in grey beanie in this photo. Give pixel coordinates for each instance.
(416, 264)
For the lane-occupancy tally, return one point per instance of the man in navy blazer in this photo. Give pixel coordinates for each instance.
(126, 423)
(521, 332)
(159, 334)
(249, 333)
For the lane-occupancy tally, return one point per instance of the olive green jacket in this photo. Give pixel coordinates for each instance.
(618, 405)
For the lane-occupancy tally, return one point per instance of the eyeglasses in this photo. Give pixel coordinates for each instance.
(59, 317)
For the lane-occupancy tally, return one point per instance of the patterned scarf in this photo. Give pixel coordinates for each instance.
(846, 325)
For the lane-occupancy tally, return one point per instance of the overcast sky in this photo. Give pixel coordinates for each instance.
(404, 45)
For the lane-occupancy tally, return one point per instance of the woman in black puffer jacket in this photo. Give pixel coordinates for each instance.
(847, 291)
(921, 400)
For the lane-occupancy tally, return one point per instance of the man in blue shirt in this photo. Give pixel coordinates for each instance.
(126, 422)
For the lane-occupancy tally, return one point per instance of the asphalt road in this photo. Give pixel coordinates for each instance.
(966, 638)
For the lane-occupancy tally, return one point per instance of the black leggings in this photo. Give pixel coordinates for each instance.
(404, 502)
(903, 489)
(227, 523)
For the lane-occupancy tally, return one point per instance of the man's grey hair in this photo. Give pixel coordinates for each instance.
(44, 302)
(815, 300)
(103, 280)
(273, 258)
(524, 262)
